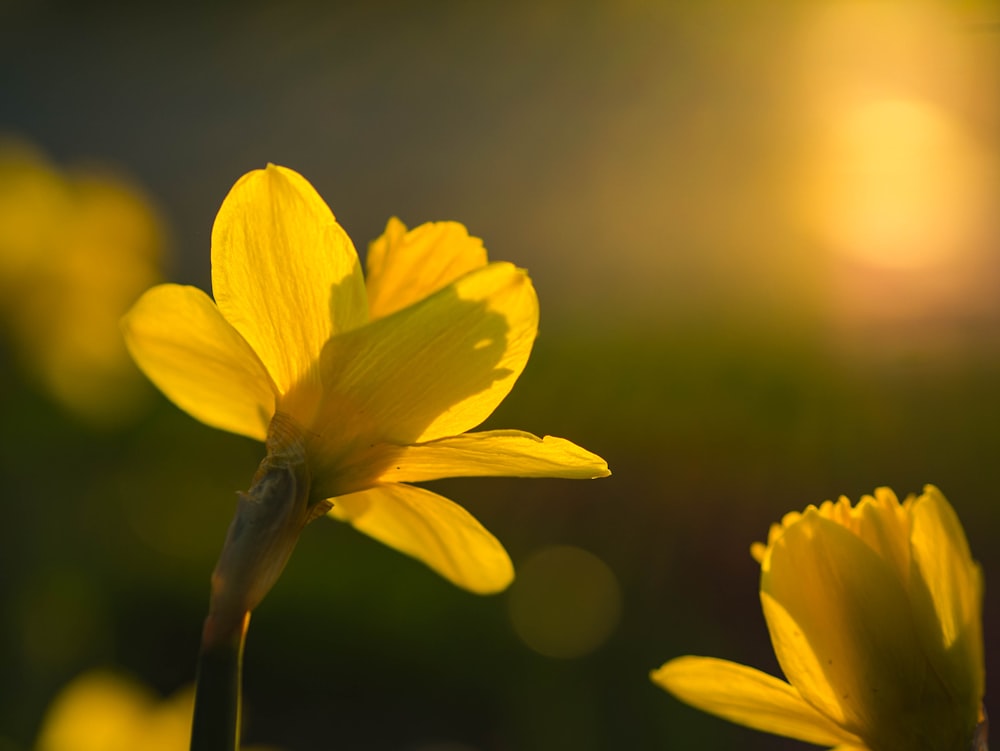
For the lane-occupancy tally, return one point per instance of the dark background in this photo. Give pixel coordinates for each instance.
(716, 323)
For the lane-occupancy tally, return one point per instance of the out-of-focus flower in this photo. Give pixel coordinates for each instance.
(358, 386)
(76, 249)
(104, 711)
(875, 614)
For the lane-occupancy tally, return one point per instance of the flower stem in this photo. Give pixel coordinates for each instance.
(216, 725)
(264, 530)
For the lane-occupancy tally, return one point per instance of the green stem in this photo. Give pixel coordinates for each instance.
(216, 725)
(267, 523)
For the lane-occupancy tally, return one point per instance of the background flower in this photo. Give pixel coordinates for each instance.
(76, 249)
(104, 711)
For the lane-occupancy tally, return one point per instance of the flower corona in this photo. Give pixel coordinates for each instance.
(875, 614)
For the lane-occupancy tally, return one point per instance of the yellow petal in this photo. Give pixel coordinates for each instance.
(432, 529)
(884, 524)
(748, 697)
(495, 453)
(434, 369)
(284, 273)
(181, 342)
(947, 598)
(405, 267)
(842, 629)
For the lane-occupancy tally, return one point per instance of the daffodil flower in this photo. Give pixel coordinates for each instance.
(358, 384)
(875, 614)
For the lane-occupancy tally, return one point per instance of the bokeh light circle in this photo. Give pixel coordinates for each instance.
(565, 602)
(901, 185)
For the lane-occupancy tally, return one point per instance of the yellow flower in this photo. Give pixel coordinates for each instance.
(104, 711)
(76, 249)
(358, 386)
(875, 614)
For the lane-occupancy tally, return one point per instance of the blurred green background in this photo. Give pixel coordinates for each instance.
(765, 241)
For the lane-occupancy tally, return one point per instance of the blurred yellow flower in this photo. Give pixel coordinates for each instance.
(76, 250)
(875, 614)
(357, 385)
(104, 711)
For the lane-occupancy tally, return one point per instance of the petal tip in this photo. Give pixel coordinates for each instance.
(493, 588)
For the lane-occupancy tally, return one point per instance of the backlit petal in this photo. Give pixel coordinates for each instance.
(748, 697)
(201, 363)
(842, 629)
(434, 369)
(495, 453)
(405, 267)
(284, 273)
(882, 522)
(432, 529)
(947, 598)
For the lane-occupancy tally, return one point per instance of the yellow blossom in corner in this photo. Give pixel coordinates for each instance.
(358, 384)
(104, 711)
(875, 614)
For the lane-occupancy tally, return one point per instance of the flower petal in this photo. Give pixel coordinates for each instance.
(748, 697)
(434, 369)
(947, 598)
(495, 453)
(883, 523)
(284, 273)
(201, 363)
(432, 529)
(405, 267)
(842, 630)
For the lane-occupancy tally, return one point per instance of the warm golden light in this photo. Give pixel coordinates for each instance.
(894, 177)
(900, 186)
